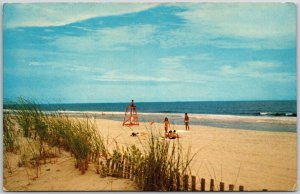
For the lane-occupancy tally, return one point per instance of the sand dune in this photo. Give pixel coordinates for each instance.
(60, 175)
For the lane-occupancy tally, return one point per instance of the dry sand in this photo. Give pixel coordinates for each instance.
(255, 159)
(60, 175)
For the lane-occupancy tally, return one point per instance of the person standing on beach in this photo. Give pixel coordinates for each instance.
(167, 124)
(131, 107)
(132, 104)
(186, 122)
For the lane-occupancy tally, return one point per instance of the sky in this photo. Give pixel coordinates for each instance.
(115, 52)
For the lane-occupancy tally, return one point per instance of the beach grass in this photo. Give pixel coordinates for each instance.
(159, 166)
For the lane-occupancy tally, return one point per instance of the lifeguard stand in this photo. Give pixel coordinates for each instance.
(131, 117)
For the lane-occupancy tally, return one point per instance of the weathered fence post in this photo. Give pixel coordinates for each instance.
(241, 188)
(221, 186)
(113, 167)
(171, 182)
(132, 176)
(142, 178)
(193, 183)
(186, 182)
(212, 185)
(128, 170)
(178, 182)
(117, 166)
(108, 166)
(202, 184)
(231, 187)
(122, 169)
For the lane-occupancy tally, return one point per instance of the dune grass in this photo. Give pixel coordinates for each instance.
(158, 167)
(10, 141)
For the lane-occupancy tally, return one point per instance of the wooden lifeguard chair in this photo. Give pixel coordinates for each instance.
(131, 117)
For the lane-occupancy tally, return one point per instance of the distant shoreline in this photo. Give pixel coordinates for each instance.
(248, 122)
(237, 108)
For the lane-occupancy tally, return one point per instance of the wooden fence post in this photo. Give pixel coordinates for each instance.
(128, 171)
(221, 186)
(241, 188)
(125, 167)
(193, 183)
(116, 168)
(113, 166)
(202, 184)
(142, 178)
(171, 183)
(122, 169)
(132, 176)
(178, 182)
(231, 187)
(212, 185)
(108, 166)
(186, 182)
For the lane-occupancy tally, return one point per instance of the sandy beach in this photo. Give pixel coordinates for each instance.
(255, 159)
(60, 175)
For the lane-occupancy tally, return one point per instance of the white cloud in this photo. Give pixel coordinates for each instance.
(120, 76)
(57, 14)
(245, 20)
(37, 64)
(244, 25)
(177, 69)
(255, 70)
(172, 61)
(107, 39)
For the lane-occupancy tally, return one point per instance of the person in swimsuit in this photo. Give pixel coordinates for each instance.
(173, 135)
(186, 122)
(166, 124)
(132, 104)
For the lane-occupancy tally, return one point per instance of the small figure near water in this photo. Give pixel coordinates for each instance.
(167, 124)
(186, 122)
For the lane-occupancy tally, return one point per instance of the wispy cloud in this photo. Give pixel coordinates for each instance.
(251, 70)
(57, 14)
(178, 69)
(256, 26)
(117, 76)
(107, 39)
(182, 51)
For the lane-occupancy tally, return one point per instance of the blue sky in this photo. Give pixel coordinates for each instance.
(76, 52)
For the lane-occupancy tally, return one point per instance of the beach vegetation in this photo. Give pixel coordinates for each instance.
(157, 165)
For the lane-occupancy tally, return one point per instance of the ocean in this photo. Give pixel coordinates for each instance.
(250, 115)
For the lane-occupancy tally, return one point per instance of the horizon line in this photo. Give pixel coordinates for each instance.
(43, 103)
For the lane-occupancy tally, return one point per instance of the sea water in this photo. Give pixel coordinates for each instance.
(251, 115)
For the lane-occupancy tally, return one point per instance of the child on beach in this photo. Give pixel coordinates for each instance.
(167, 124)
(186, 122)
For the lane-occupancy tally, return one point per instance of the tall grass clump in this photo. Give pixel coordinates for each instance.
(160, 166)
(85, 143)
(33, 122)
(10, 136)
(52, 129)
